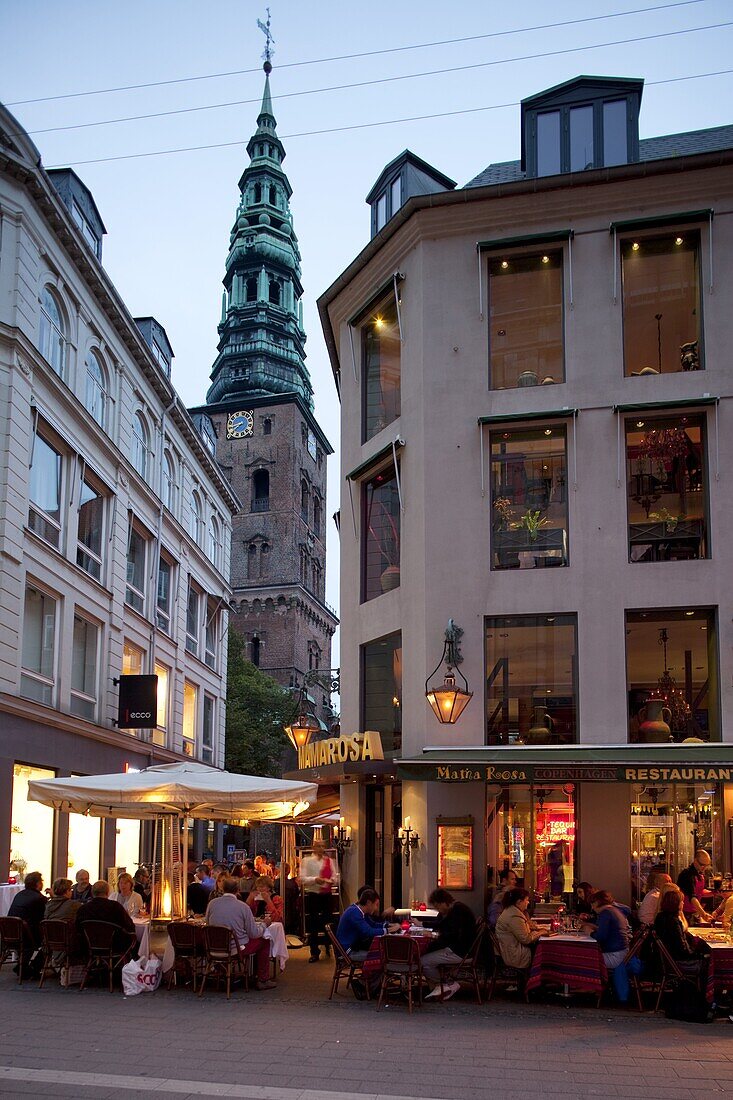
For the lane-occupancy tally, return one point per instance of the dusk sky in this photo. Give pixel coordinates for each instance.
(168, 217)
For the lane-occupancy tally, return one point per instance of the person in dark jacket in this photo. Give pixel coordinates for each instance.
(197, 898)
(30, 906)
(101, 908)
(688, 951)
(456, 931)
(82, 891)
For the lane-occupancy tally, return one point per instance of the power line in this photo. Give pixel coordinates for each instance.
(359, 125)
(385, 80)
(366, 53)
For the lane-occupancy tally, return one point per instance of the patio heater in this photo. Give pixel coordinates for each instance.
(168, 900)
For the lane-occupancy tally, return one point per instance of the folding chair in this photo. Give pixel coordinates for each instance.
(638, 941)
(467, 970)
(106, 949)
(344, 965)
(502, 972)
(15, 937)
(401, 967)
(222, 958)
(56, 938)
(671, 972)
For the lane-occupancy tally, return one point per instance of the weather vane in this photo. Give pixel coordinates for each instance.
(269, 41)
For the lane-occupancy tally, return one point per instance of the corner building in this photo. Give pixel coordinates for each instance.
(115, 528)
(537, 424)
(259, 418)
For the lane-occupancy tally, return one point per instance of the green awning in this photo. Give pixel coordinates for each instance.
(528, 417)
(649, 406)
(661, 220)
(369, 464)
(387, 287)
(527, 239)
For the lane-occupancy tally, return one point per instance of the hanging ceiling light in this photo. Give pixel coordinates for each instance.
(669, 693)
(449, 700)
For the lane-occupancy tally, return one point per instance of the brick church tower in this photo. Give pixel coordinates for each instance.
(265, 436)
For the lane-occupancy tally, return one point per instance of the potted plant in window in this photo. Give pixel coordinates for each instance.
(532, 522)
(387, 539)
(670, 521)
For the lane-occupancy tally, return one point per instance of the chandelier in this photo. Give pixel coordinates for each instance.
(668, 692)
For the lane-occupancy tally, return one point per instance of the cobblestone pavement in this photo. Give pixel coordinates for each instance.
(291, 1043)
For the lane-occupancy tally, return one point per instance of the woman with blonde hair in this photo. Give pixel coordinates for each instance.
(264, 902)
(126, 895)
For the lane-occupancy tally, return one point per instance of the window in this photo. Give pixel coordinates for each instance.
(312, 445)
(163, 595)
(83, 848)
(531, 685)
(255, 650)
(578, 136)
(192, 619)
(44, 512)
(207, 732)
(135, 590)
(662, 305)
(260, 491)
(52, 334)
(32, 824)
(317, 510)
(304, 499)
(170, 487)
(314, 657)
(264, 560)
(97, 395)
(581, 138)
(258, 186)
(140, 445)
(536, 836)
(84, 663)
(38, 659)
(195, 522)
(381, 535)
(672, 675)
(273, 197)
(381, 353)
(251, 290)
(666, 485)
(132, 659)
(88, 233)
(526, 320)
(275, 291)
(208, 435)
(615, 139)
(381, 211)
(90, 530)
(252, 570)
(267, 426)
(211, 633)
(190, 705)
(215, 542)
(548, 143)
(161, 357)
(381, 689)
(395, 193)
(529, 501)
(161, 730)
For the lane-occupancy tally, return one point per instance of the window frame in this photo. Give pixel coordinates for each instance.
(99, 387)
(75, 694)
(190, 741)
(563, 110)
(33, 675)
(386, 300)
(163, 672)
(164, 611)
(43, 518)
(135, 597)
(395, 736)
(193, 641)
(53, 331)
(141, 453)
(208, 728)
(83, 550)
(211, 634)
(195, 515)
(388, 473)
(170, 485)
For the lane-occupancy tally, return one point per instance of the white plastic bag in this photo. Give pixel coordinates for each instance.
(141, 976)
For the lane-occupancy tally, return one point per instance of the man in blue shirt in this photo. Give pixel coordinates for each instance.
(359, 925)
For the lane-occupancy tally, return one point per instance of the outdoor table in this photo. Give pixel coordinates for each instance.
(7, 893)
(572, 961)
(720, 966)
(373, 962)
(275, 934)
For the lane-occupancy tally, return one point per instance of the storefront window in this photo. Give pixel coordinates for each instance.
(672, 675)
(529, 503)
(84, 845)
(666, 484)
(32, 826)
(381, 687)
(127, 844)
(380, 535)
(381, 353)
(534, 829)
(531, 685)
(669, 822)
(526, 320)
(662, 307)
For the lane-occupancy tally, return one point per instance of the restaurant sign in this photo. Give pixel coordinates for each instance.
(339, 750)
(573, 773)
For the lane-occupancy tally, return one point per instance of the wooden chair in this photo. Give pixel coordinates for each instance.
(222, 958)
(56, 938)
(638, 942)
(401, 968)
(107, 950)
(671, 973)
(467, 970)
(15, 938)
(188, 951)
(502, 972)
(344, 966)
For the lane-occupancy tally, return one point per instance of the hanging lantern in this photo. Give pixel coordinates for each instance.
(449, 700)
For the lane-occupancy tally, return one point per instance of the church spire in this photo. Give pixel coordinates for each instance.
(262, 342)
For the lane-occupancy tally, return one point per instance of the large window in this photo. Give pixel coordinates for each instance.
(53, 337)
(141, 458)
(531, 680)
(662, 304)
(190, 706)
(127, 844)
(260, 491)
(672, 675)
(83, 851)
(207, 732)
(84, 666)
(215, 542)
(381, 354)
(532, 832)
(529, 501)
(164, 594)
(160, 733)
(170, 487)
(90, 530)
(666, 489)
(44, 511)
(96, 398)
(195, 518)
(526, 320)
(380, 535)
(132, 659)
(32, 828)
(193, 600)
(381, 689)
(135, 590)
(38, 675)
(211, 633)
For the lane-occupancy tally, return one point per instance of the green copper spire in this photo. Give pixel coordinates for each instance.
(262, 342)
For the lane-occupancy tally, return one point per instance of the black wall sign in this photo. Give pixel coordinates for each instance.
(138, 703)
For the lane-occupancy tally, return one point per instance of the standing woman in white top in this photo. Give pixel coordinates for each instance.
(126, 895)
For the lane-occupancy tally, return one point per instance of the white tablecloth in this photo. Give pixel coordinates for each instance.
(7, 893)
(278, 944)
(275, 933)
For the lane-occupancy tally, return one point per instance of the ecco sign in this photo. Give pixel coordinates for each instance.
(138, 704)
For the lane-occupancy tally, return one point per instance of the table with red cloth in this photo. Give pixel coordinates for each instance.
(373, 962)
(574, 962)
(720, 970)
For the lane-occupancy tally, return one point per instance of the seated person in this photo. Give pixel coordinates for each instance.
(30, 906)
(197, 898)
(62, 906)
(219, 885)
(724, 912)
(582, 895)
(100, 907)
(688, 951)
(691, 882)
(82, 891)
(507, 881)
(456, 932)
(611, 931)
(516, 933)
(650, 903)
(229, 912)
(125, 894)
(263, 901)
(359, 924)
(204, 876)
(142, 885)
(248, 878)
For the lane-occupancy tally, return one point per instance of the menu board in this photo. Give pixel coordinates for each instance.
(455, 854)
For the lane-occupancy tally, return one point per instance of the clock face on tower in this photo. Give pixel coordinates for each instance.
(239, 424)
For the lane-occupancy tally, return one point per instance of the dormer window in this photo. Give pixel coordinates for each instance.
(381, 211)
(403, 177)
